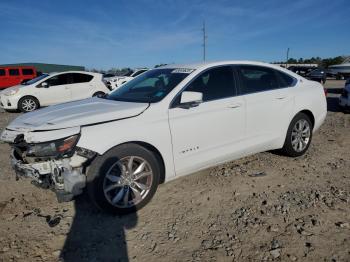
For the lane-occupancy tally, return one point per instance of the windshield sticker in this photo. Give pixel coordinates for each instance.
(182, 71)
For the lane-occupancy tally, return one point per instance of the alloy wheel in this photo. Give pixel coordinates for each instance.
(128, 182)
(301, 134)
(28, 105)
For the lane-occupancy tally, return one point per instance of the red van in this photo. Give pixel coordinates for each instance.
(14, 75)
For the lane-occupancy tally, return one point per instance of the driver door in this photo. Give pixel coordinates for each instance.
(213, 131)
(58, 90)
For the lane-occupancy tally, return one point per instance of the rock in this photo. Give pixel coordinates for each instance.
(275, 244)
(292, 258)
(56, 253)
(273, 228)
(342, 224)
(276, 253)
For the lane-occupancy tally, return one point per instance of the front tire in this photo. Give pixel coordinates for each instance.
(28, 104)
(299, 136)
(124, 179)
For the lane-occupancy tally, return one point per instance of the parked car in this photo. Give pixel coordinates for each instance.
(319, 75)
(117, 81)
(168, 122)
(301, 70)
(11, 75)
(108, 75)
(52, 89)
(342, 71)
(344, 99)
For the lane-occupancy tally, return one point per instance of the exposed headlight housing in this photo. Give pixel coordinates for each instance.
(63, 147)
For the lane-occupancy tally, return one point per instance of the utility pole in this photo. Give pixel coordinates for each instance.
(287, 57)
(204, 41)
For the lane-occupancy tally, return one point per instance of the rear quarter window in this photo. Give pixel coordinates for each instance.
(285, 80)
(2, 72)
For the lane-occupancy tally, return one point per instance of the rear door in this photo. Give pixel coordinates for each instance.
(213, 131)
(269, 105)
(57, 91)
(81, 86)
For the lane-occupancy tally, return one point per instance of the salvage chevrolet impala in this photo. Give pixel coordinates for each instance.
(164, 124)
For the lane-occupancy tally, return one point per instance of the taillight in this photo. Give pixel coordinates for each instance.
(325, 91)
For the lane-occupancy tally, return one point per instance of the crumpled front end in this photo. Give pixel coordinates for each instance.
(58, 165)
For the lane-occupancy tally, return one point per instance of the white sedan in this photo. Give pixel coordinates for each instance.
(166, 123)
(51, 89)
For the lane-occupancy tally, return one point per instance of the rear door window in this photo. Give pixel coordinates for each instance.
(57, 80)
(27, 71)
(14, 72)
(2, 72)
(80, 78)
(257, 79)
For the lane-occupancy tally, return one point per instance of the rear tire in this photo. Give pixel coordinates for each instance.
(124, 179)
(98, 94)
(28, 104)
(299, 136)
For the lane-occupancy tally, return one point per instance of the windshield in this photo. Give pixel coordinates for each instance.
(34, 80)
(151, 86)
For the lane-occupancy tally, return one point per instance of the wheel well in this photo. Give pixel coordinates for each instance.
(28, 96)
(310, 115)
(158, 155)
(98, 92)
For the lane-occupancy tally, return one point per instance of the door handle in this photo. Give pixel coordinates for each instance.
(281, 97)
(235, 105)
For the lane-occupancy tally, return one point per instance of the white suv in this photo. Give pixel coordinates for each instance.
(164, 124)
(52, 89)
(117, 81)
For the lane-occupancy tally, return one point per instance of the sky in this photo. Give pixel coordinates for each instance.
(142, 33)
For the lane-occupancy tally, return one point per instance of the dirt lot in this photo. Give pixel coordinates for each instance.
(263, 207)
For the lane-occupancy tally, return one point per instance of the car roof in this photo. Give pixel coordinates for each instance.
(205, 65)
(80, 72)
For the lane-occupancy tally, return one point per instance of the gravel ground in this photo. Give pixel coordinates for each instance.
(263, 207)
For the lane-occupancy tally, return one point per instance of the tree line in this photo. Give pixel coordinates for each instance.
(321, 62)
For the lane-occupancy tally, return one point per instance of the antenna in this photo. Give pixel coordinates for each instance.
(204, 40)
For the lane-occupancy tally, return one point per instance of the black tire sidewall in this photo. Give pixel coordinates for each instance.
(20, 107)
(98, 94)
(100, 166)
(288, 148)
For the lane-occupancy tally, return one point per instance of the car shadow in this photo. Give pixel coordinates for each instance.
(96, 236)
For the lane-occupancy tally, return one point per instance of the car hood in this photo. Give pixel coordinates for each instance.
(84, 112)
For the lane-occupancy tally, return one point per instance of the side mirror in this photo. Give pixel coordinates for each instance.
(44, 85)
(190, 99)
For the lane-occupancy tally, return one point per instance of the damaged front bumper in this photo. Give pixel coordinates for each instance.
(64, 176)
